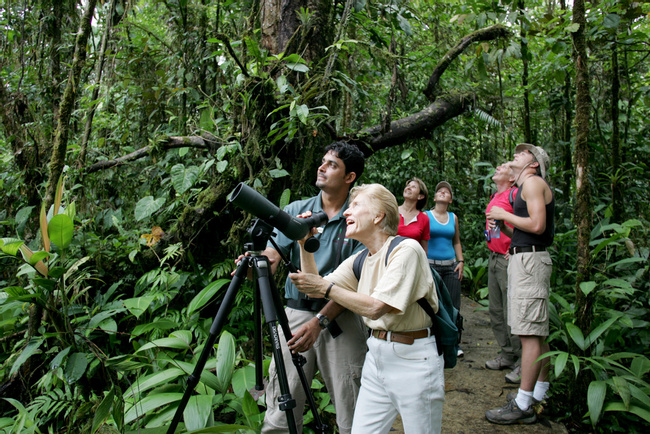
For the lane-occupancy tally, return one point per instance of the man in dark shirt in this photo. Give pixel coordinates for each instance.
(529, 274)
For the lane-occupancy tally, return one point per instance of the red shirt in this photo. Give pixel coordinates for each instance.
(417, 229)
(501, 244)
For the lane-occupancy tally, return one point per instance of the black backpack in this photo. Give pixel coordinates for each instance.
(447, 322)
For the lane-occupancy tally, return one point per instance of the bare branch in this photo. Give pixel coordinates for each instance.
(486, 34)
(168, 143)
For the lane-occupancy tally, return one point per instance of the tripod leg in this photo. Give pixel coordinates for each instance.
(298, 361)
(215, 330)
(274, 313)
(259, 375)
(287, 403)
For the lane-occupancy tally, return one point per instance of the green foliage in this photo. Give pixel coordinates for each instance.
(614, 352)
(124, 304)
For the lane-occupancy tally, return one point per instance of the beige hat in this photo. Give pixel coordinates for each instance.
(540, 155)
(446, 185)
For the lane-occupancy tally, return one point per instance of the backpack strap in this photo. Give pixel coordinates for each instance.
(511, 198)
(358, 265)
(361, 257)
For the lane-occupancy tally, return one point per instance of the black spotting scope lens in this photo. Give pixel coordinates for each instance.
(295, 228)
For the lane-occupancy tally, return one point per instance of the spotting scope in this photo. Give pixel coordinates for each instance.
(295, 228)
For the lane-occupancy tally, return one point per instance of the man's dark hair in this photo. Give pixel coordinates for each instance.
(351, 156)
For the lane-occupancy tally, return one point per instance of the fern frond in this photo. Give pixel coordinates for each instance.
(487, 118)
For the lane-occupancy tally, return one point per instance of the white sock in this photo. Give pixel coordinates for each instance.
(524, 398)
(540, 390)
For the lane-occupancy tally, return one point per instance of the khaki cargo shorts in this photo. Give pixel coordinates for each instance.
(529, 278)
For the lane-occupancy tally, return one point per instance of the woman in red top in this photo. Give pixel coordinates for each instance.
(413, 223)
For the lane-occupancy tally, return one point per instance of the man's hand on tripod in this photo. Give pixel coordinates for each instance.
(304, 338)
(271, 254)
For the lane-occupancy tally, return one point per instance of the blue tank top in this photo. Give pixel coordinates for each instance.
(441, 246)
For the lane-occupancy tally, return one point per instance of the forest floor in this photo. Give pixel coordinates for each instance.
(471, 389)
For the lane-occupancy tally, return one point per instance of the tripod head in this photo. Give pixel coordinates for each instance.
(259, 233)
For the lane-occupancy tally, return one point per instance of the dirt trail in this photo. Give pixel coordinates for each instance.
(471, 389)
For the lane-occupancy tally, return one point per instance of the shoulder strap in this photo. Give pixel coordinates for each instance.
(358, 263)
(339, 249)
(357, 266)
(511, 198)
(427, 308)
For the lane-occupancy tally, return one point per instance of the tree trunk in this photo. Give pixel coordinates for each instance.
(582, 211)
(524, 75)
(617, 189)
(67, 105)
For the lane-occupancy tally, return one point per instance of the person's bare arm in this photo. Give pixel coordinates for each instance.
(458, 249)
(315, 286)
(534, 193)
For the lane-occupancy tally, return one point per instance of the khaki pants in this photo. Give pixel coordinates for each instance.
(498, 295)
(339, 361)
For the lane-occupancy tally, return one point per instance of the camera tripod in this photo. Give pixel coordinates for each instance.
(266, 298)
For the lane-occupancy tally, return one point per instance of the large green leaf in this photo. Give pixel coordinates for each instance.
(143, 384)
(75, 367)
(31, 348)
(576, 335)
(225, 360)
(139, 305)
(147, 206)
(183, 178)
(250, 409)
(171, 342)
(205, 296)
(622, 387)
(643, 413)
(60, 230)
(595, 333)
(161, 324)
(595, 399)
(103, 411)
(611, 21)
(148, 403)
(56, 361)
(197, 412)
(11, 246)
(560, 363)
(243, 380)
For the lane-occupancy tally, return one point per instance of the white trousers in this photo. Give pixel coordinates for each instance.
(404, 379)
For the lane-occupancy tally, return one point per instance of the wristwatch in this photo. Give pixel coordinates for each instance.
(323, 320)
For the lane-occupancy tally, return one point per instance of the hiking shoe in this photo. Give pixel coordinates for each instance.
(514, 376)
(511, 414)
(499, 363)
(513, 395)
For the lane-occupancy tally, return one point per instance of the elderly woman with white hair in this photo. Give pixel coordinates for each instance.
(403, 372)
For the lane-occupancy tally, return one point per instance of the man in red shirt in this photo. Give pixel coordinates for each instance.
(499, 243)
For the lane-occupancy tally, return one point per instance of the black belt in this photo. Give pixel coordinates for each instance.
(309, 304)
(526, 249)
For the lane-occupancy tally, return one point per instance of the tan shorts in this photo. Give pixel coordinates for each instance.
(529, 279)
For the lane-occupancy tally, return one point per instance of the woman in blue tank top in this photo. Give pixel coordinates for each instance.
(444, 251)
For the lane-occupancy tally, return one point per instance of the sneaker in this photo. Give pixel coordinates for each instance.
(514, 376)
(460, 353)
(511, 414)
(499, 363)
